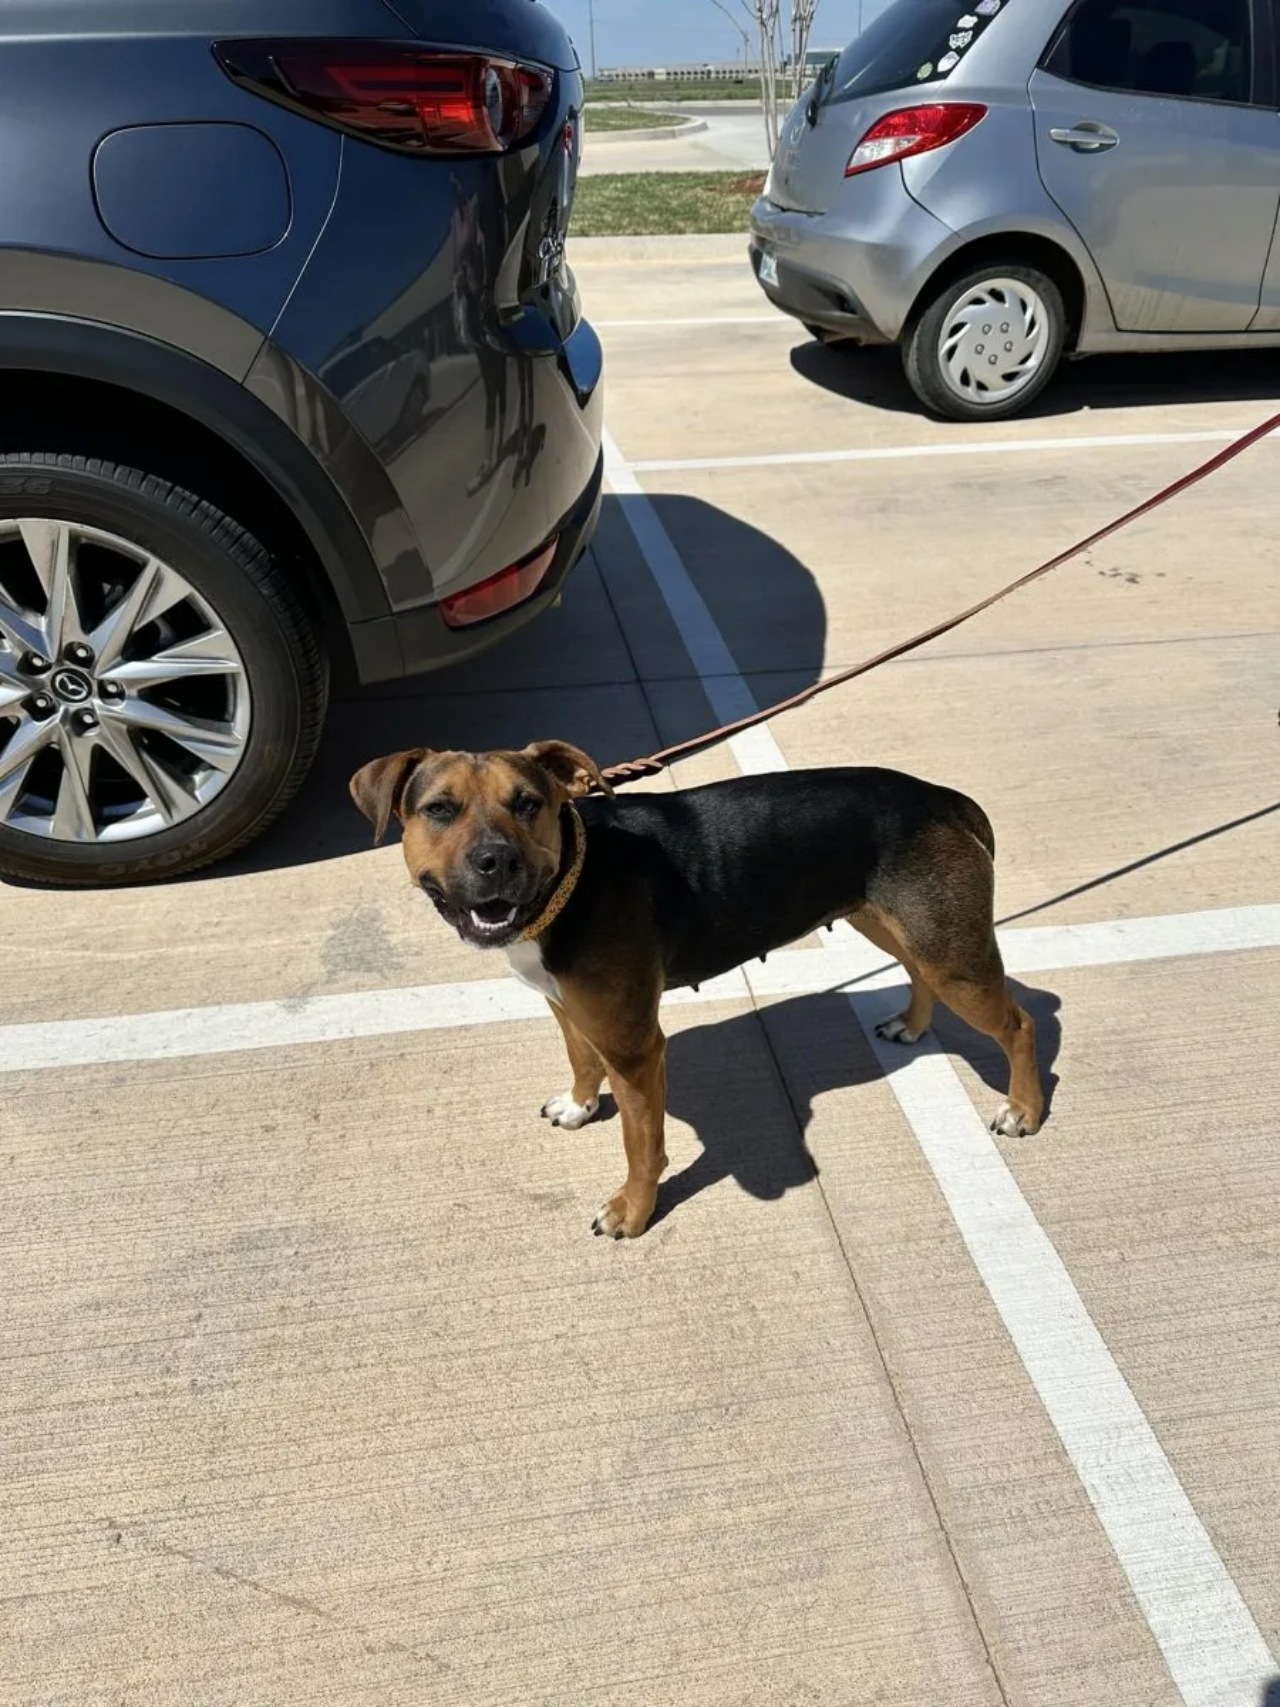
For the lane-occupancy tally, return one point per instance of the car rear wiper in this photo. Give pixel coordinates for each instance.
(825, 77)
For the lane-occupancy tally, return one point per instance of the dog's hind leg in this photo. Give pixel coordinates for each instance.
(575, 1108)
(938, 904)
(911, 1025)
(983, 999)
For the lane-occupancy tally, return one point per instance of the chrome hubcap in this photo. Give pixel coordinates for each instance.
(994, 341)
(124, 705)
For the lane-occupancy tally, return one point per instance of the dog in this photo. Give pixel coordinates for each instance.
(602, 902)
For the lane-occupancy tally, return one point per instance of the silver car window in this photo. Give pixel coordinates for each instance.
(1188, 49)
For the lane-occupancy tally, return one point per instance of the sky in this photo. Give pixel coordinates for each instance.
(663, 32)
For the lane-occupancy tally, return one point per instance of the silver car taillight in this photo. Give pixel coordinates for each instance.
(913, 130)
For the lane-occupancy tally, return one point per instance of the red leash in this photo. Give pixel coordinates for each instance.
(631, 769)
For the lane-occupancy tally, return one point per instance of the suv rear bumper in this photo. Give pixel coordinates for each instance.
(398, 631)
(415, 641)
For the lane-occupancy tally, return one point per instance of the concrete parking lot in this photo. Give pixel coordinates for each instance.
(316, 1386)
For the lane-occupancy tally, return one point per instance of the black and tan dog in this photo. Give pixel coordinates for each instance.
(603, 903)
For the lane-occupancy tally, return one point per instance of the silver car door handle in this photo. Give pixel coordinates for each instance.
(1086, 138)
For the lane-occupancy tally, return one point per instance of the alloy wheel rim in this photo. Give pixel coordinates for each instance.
(993, 341)
(124, 702)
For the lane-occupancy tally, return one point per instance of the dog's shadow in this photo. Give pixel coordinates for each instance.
(754, 1132)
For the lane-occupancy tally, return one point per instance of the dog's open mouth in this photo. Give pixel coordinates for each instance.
(491, 917)
(479, 922)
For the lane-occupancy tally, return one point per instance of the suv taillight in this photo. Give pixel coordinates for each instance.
(913, 130)
(407, 98)
(509, 587)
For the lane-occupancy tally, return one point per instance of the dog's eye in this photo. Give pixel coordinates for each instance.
(526, 806)
(440, 811)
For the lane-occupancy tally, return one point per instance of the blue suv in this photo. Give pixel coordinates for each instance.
(295, 382)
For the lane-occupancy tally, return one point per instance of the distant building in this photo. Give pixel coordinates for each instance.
(710, 72)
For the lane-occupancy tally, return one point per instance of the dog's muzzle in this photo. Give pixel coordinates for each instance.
(490, 897)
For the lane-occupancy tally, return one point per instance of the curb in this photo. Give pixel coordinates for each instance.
(658, 133)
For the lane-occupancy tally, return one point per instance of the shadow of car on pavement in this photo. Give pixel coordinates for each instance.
(873, 376)
(606, 671)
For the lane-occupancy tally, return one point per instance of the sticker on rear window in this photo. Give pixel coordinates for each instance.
(916, 41)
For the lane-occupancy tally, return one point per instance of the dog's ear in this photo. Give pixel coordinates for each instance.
(573, 770)
(378, 787)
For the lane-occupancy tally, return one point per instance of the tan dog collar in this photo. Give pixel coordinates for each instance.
(566, 886)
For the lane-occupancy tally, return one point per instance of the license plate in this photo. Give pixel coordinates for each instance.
(768, 269)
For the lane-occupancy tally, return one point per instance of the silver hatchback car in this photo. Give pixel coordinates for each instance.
(997, 183)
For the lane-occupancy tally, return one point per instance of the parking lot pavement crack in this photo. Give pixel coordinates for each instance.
(898, 1400)
(118, 1533)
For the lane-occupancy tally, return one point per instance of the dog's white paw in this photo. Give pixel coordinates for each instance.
(896, 1030)
(562, 1110)
(1008, 1123)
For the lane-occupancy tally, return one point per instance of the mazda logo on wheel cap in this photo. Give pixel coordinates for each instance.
(71, 686)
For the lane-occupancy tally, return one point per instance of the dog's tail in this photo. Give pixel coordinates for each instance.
(977, 823)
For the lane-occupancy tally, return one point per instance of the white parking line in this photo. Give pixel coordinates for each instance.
(1214, 1650)
(176, 1032)
(727, 693)
(1037, 948)
(948, 447)
(233, 1026)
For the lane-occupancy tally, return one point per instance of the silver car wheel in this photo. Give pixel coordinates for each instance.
(993, 341)
(124, 703)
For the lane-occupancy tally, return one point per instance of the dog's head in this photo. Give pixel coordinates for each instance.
(483, 832)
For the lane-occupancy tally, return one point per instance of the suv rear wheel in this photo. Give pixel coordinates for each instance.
(162, 686)
(985, 345)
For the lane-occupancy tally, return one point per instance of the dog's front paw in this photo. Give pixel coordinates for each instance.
(626, 1215)
(1011, 1122)
(896, 1030)
(562, 1110)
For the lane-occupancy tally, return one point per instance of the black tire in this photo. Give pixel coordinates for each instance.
(277, 638)
(923, 367)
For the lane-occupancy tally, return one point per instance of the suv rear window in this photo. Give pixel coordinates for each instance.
(913, 41)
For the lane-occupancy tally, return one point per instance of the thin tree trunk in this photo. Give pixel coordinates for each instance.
(803, 13)
(773, 29)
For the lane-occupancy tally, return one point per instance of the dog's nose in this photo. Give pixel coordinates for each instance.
(495, 859)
